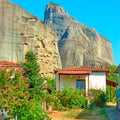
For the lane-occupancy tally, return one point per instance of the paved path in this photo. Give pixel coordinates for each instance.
(113, 113)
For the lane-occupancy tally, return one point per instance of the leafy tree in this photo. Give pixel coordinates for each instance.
(112, 76)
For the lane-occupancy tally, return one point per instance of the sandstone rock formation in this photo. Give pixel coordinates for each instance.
(78, 43)
(20, 31)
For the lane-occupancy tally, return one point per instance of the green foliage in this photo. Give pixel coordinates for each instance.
(103, 112)
(50, 83)
(13, 89)
(57, 103)
(112, 76)
(72, 98)
(97, 98)
(31, 111)
(108, 97)
(110, 93)
(69, 82)
(32, 69)
(66, 99)
(15, 96)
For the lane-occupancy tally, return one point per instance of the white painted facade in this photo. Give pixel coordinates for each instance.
(96, 80)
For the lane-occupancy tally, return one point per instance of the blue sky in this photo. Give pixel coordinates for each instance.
(102, 15)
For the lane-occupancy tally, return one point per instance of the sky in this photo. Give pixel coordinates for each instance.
(102, 15)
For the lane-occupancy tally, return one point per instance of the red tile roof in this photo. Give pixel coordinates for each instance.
(80, 70)
(7, 63)
(73, 72)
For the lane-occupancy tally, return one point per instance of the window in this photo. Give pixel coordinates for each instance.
(80, 84)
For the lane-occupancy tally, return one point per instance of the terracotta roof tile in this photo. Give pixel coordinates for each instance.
(7, 63)
(73, 72)
(80, 69)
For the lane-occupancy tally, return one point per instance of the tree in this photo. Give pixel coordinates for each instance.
(32, 69)
(112, 76)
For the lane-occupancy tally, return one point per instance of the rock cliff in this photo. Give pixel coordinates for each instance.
(20, 31)
(78, 43)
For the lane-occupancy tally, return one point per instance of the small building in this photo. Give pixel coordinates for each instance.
(81, 77)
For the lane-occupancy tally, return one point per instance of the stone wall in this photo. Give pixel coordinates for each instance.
(20, 31)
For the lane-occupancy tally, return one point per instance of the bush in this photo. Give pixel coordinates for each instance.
(15, 97)
(97, 98)
(110, 94)
(71, 98)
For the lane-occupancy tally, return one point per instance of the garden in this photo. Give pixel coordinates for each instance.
(22, 93)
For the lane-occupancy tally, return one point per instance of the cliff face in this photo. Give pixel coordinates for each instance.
(78, 44)
(21, 31)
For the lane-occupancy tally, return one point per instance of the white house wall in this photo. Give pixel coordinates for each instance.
(97, 80)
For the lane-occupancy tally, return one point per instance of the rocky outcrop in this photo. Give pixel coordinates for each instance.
(20, 31)
(78, 43)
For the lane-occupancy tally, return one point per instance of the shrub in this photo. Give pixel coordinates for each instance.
(15, 97)
(97, 97)
(73, 98)
(110, 94)
(50, 83)
(13, 89)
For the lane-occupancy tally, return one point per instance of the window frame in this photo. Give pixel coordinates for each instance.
(81, 83)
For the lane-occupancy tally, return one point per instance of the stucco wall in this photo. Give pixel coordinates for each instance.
(97, 80)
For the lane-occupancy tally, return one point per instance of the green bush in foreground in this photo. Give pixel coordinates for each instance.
(71, 98)
(15, 97)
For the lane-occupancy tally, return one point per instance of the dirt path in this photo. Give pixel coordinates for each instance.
(85, 114)
(55, 115)
(77, 114)
(65, 115)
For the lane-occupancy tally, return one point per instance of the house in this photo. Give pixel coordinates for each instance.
(81, 77)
